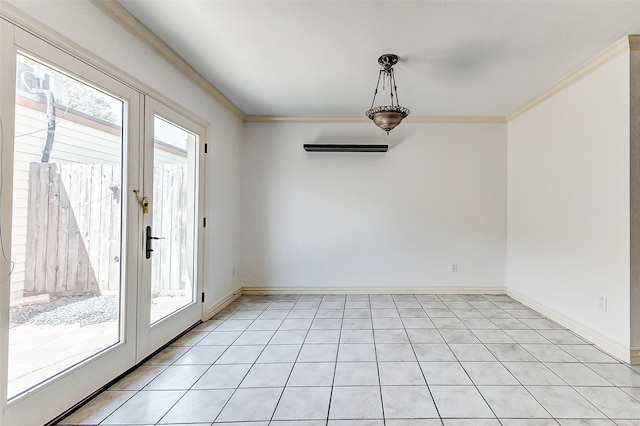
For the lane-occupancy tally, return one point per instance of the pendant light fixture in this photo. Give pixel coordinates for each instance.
(387, 117)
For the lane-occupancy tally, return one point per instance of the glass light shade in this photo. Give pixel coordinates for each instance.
(387, 117)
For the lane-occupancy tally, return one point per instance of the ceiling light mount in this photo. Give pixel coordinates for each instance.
(387, 117)
(388, 60)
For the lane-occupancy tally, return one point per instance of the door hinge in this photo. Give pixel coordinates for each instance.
(204, 222)
(206, 148)
(203, 297)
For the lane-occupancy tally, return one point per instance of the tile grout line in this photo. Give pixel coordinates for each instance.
(223, 352)
(375, 354)
(542, 363)
(335, 364)
(297, 356)
(212, 364)
(577, 361)
(520, 345)
(503, 366)
(498, 360)
(137, 391)
(416, 355)
(460, 362)
(245, 375)
(187, 390)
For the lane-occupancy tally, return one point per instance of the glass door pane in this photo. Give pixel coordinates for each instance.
(67, 224)
(172, 258)
(167, 302)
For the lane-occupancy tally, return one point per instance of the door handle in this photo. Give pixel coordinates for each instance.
(148, 239)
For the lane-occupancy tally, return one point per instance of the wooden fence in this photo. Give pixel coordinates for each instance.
(74, 229)
(170, 268)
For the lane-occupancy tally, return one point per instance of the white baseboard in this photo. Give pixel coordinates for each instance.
(255, 290)
(613, 348)
(223, 303)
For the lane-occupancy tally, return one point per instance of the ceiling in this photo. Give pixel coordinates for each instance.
(319, 57)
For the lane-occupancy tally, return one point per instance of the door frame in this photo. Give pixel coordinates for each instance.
(7, 124)
(153, 336)
(43, 402)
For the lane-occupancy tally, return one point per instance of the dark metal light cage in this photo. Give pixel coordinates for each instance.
(387, 117)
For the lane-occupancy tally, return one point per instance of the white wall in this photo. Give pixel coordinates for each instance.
(568, 205)
(95, 31)
(400, 218)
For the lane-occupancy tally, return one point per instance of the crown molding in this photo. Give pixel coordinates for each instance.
(305, 119)
(456, 119)
(359, 119)
(129, 22)
(621, 46)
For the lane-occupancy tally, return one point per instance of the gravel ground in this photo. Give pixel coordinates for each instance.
(82, 310)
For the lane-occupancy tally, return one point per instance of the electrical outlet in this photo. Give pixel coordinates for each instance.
(454, 267)
(603, 303)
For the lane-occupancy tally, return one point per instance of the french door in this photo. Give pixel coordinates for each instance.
(168, 294)
(99, 216)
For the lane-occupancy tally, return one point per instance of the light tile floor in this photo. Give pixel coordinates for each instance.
(369, 360)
